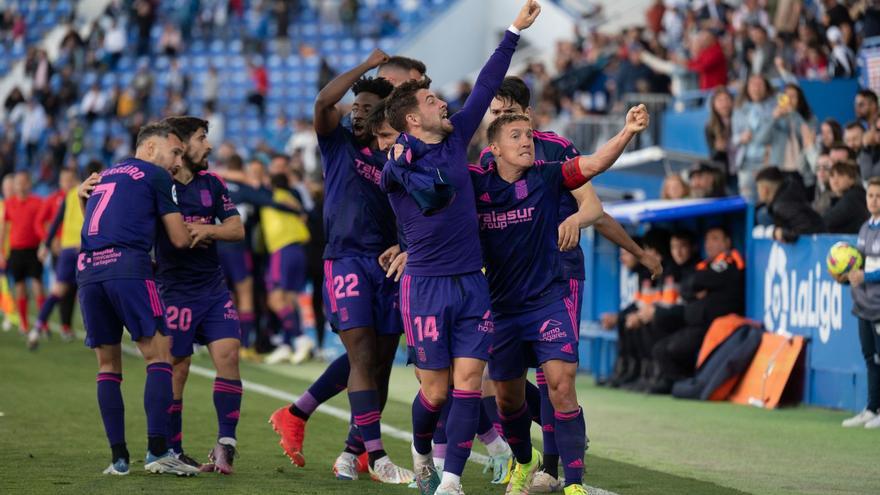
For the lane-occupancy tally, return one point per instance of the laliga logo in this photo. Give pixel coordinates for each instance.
(806, 302)
(776, 291)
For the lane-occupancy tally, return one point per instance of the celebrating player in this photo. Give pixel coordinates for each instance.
(577, 210)
(535, 316)
(444, 296)
(123, 207)
(199, 308)
(359, 226)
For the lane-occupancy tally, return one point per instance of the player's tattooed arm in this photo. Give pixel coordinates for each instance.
(231, 230)
(637, 120)
(327, 116)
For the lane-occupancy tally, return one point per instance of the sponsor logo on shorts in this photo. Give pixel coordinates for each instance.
(567, 348)
(420, 354)
(550, 331)
(343, 314)
(486, 326)
(231, 313)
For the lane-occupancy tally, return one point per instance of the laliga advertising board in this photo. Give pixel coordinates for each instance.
(790, 291)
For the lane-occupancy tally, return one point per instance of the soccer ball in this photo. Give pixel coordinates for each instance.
(842, 258)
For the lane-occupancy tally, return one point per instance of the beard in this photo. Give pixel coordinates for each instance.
(195, 166)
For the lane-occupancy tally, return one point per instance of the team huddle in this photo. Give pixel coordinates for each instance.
(477, 265)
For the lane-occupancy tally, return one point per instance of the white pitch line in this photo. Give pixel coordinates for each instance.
(336, 412)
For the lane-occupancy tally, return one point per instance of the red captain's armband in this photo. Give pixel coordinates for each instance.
(572, 177)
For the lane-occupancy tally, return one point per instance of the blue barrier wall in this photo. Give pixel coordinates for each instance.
(791, 293)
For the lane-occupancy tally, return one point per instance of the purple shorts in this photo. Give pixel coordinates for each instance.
(576, 299)
(527, 340)
(237, 263)
(65, 267)
(200, 320)
(287, 269)
(109, 305)
(357, 294)
(445, 318)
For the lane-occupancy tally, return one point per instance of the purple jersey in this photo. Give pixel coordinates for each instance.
(121, 219)
(550, 147)
(183, 272)
(447, 242)
(358, 220)
(519, 234)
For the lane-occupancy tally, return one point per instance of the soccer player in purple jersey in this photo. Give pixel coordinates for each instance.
(199, 307)
(444, 297)
(577, 209)
(359, 226)
(122, 209)
(535, 319)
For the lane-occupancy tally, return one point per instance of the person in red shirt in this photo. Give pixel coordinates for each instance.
(21, 213)
(260, 86)
(708, 61)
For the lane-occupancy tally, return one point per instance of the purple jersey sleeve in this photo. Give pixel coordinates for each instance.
(467, 120)
(166, 194)
(223, 205)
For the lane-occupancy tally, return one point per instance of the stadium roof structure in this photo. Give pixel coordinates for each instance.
(658, 210)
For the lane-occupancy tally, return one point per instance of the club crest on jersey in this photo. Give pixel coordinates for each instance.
(207, 201)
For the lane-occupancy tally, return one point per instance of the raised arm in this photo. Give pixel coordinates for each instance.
(589, 166)
(327, 116)
(467, 120)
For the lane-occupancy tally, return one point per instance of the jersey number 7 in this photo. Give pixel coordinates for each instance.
(104, 193)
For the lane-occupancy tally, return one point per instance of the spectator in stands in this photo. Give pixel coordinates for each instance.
(763, 52)
(170, 41)
(866, 307)
(176, 79)
(32, 121)
(706, 181)
(758, 141)
(40, 73)
(717, 287)
(848, 208)
(840, 152)
(305, 142)
(786, 204)
(93, 103)
(144, 16)
(714, 15)
(259, 86)
(822, 194)
(142, 83)
(674, 187)
(718, 129)
(13, 99)
(867, 110)
(843, 61)
(708, 60)
(794, 120)
(211, 87)
(114, 43)
(866, 144)
(632, 72)
(216, 123)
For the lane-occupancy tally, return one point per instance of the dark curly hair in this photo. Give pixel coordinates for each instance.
(514, 89)
(402, 102)
(377, 86)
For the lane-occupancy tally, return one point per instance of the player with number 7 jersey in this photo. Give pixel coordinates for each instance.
(122, 210)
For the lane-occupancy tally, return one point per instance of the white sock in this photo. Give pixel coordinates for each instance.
(226, 441)
(439, 462)
(450, 480)
(497, 447)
